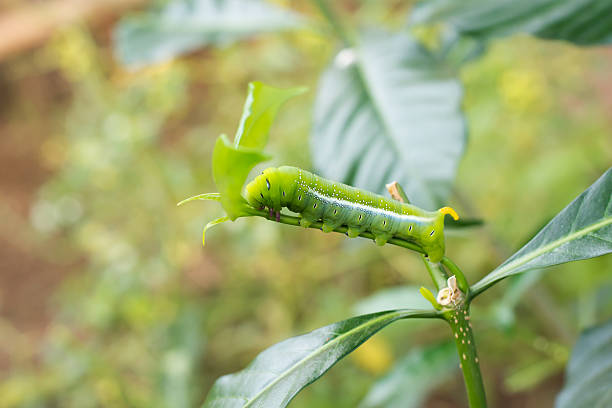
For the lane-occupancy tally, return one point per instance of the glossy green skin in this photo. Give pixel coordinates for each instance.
(337, 204)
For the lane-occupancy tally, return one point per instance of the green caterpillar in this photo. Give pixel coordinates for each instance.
(336, 204)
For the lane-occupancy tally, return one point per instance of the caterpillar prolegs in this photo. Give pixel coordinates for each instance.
(337, 204)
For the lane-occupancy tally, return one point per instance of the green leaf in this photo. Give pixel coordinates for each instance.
(582, 230)
(589, 372)
(259, 112)
(389, 110)
(280, 372)
(584, 22)
(212, 224)
(231, 167)
(413, 378)
(390, 299)
(182, 26)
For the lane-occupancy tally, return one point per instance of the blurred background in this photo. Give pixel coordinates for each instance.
(107, 297)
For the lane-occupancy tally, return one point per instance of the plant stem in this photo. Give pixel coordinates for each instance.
(459, 321)
(334, 21)
(295, 221)
(461, 280)
(436, 272)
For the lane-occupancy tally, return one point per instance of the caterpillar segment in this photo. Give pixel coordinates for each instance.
(336, 204)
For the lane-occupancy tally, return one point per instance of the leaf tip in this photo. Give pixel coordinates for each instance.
(426, 293)
(212, 224)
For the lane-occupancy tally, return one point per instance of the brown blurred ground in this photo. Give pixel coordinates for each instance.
(25, 25)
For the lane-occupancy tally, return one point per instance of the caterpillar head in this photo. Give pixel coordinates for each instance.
(257, 192)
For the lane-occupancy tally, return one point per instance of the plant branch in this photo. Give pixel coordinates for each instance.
(459, 321)
(295, 221)
(461, 280)
(436, 272)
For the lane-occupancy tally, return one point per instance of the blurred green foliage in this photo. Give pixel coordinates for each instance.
(146, 317)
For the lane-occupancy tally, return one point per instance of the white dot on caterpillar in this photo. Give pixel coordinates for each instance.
(456, 336)
(464, 356)
(462, 341)
(469, 342)
(456, 321)
(476, 359)
(461, 329)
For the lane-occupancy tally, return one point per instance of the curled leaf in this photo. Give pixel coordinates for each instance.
(231, 167)
(204, 197)
(212, 224)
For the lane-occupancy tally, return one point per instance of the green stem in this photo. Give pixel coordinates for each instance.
(437, 274)
(334, 21)
(459, 321)
(461, 280)
(295, 221)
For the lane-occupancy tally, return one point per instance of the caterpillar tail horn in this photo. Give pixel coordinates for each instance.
(450, 211)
